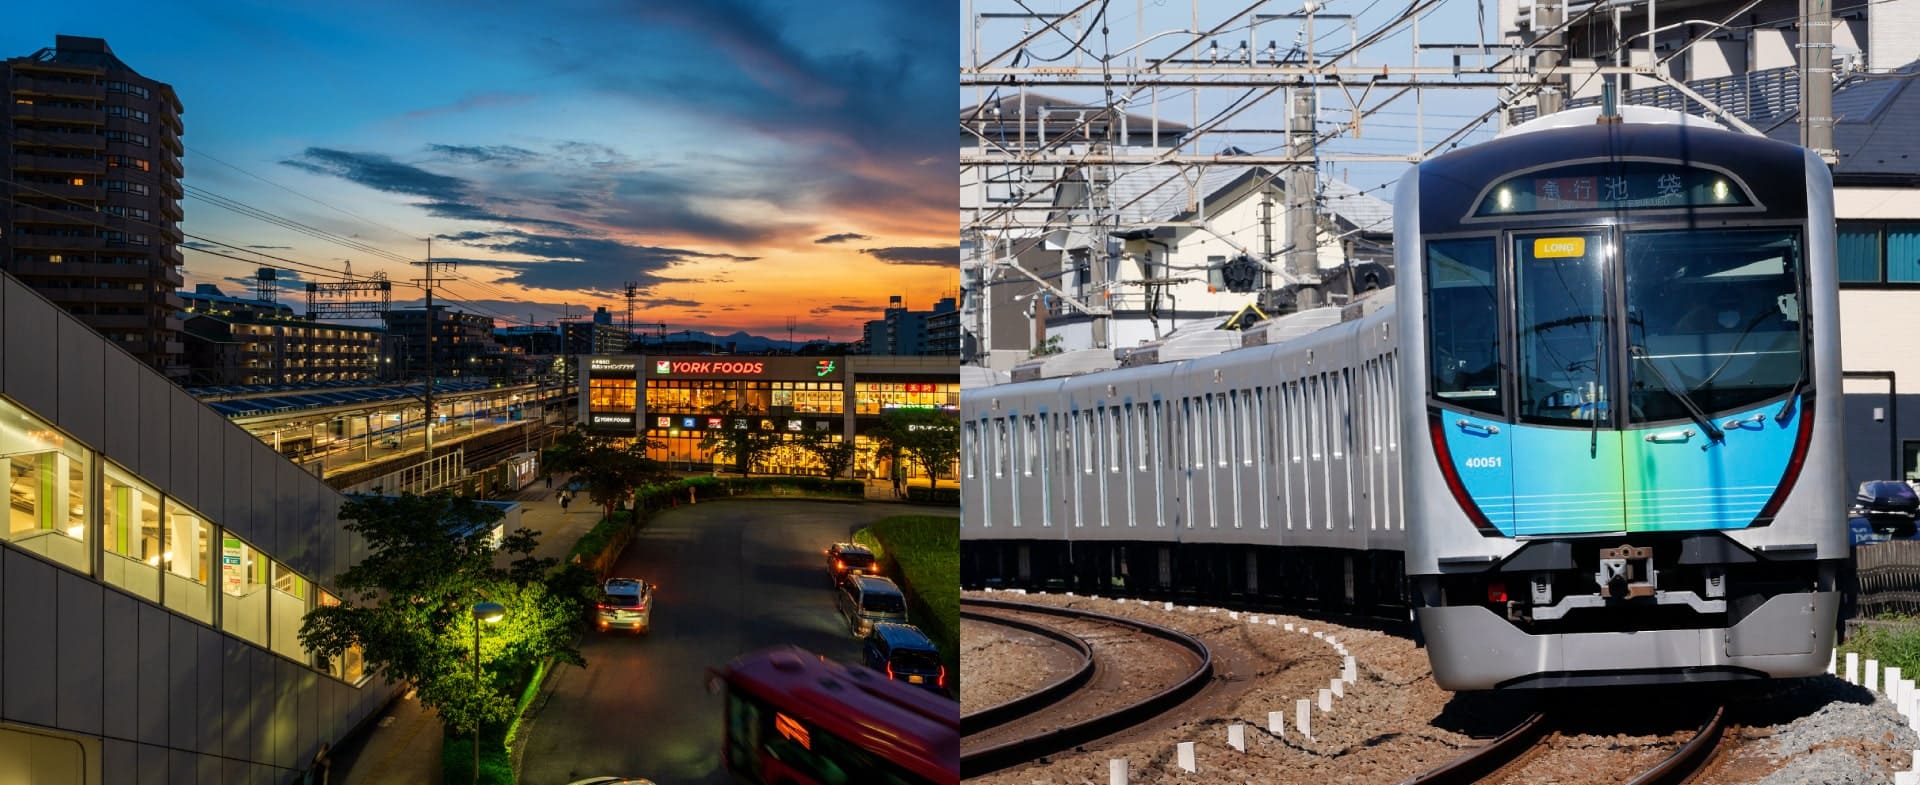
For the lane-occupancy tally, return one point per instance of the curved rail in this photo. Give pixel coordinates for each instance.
(993, 716)
(1691, 758)
(1019, 751)
(1487, 759)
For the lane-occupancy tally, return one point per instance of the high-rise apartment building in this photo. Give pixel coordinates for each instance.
(92, 185)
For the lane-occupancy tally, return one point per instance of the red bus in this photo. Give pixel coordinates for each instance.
(794, 718)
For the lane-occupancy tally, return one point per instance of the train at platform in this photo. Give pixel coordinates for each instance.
(1590, 437)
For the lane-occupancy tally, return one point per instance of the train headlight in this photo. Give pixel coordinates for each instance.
(1504, 198)
(1719, 190)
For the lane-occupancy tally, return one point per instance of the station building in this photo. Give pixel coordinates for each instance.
(670, 399)
(156, 563)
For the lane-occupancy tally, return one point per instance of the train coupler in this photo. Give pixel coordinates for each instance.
(1626, 572)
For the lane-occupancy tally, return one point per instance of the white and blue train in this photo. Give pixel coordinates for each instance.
(1590, 438)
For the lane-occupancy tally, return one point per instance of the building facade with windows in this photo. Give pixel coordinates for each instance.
(234, 341)
(93, 194)
(156, 564)
(463, 344)
(670, 399)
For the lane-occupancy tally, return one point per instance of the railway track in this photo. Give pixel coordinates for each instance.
(1133, 671)
(1507, 759)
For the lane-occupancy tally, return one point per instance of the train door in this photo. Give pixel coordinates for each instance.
(1567, 466)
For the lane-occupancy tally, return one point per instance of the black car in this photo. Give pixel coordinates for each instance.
(1888, 504)
(905, 654)
(845, 558)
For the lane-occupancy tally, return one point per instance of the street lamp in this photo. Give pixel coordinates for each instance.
(488, 612)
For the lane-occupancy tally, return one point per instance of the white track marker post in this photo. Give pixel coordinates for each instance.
(1289, 626)
(1117, 771)
(1303, 717)
(1276, 723)
(1830, 658)
(1252, 619)
(1326, 701)
(1873, 676)
(1338, 687)
(1168, 607)
(1903, 778)
(1237, 736)
(1893, 684)
(1271, 622)
(1853, 667)
(1349, 671)
(1186, 756)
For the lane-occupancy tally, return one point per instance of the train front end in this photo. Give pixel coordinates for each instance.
(1621, 405)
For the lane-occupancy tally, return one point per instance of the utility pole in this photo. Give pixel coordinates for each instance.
(1816, 79)
(633, 290)
(1547, 53)
(429, 267)
(791, 323)
(1303, 262)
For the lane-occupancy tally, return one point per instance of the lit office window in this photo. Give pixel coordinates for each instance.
(46, 488)
(188, 562)
(243, 577)
(350, 666)
(290, 593)
(130, 533)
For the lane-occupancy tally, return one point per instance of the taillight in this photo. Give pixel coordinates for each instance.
(1496, 592)
(1438, 429)
(889, 670)
(943, 676)
(839, 565)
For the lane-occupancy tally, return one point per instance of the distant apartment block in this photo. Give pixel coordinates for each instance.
(462, 344)
(93, 195)
(902, 332)
(234, 341)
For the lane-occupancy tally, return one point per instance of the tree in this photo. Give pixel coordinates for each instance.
(929, 436)
(407, 604)
(836, 456)
(739, 437)
(609, 468)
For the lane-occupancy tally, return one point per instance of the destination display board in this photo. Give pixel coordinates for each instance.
(1613, 185)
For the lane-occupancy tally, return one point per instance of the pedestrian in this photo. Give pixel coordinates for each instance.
(566, 498)
(899, 482)
(549, 481)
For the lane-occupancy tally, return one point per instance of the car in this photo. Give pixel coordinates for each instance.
(904, 653)
(846, 558)
(625, 603)
(865, 600)
(1890, 505)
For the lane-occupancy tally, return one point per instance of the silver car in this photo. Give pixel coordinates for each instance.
(865, 599)
(625, 603)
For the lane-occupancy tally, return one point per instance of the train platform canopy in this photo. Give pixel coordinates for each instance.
(308, 398)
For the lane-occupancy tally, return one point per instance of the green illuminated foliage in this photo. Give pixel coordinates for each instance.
(740, 445)
(930, 437)
(407, 605)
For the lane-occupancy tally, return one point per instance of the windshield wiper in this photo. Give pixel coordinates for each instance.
(1793, 397)
(1680, 394)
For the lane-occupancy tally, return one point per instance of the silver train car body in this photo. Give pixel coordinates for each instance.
(1306, 472)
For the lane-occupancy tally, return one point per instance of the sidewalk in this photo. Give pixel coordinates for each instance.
(402, 747)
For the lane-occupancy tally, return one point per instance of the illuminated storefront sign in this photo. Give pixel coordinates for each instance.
(823, 367)
(609, 365)
(233, 574)
(789, 368)
(613, 419)
(728, 367)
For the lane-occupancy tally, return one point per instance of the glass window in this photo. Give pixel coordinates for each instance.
(187, 557)
(289, 607)
(1903, 253)
(1859, 252)
(1564, 355)
(350, 666)
(1717, 313)
(130, 533)
(1463, 323)
(243, 577)
(47, 477)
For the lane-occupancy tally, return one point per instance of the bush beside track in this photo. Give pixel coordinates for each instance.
(922, 552)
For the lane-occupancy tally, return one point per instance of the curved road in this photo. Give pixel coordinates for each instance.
(733, 577)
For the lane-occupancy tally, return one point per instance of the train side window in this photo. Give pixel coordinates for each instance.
(1000, 450)
(1463, 324)
(1116, 443)
(970, 445)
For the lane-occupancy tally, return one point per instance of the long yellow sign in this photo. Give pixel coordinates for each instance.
(1559, 247)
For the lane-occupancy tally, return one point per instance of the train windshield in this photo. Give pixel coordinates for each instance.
(1718, 312)
(1565, 344)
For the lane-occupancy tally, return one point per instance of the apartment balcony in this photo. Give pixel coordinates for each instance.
(171, 275)
(164, 112)
(29, 86)
(170, 188)
(174, 347)
(50, 163)
(43, 242)
(115, 321)
(170, 210)
(172, 255)
(86, 141)
(170, 164)
(171, 142)
(123, 272)
(58, 114)
(92, 192)
(170, 233)
(28, 214)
